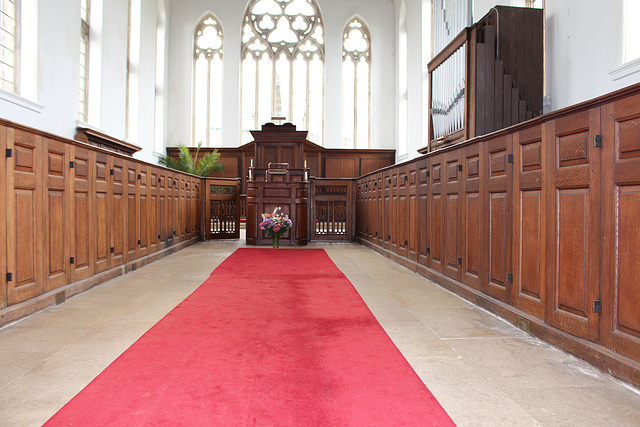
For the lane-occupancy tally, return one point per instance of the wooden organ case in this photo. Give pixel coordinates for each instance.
(489, 77)
(278, 178)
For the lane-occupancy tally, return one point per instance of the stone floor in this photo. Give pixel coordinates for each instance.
(483, 371)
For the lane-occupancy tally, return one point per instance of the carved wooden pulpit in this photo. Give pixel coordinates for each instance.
(278, 178)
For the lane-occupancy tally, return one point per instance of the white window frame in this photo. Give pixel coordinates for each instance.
(309, 44)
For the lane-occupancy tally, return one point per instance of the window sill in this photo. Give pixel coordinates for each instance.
(626, 69)
(20, 101)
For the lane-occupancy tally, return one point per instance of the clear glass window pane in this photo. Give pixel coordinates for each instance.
(215, 130)
(299, 116)
(348, 107)
(200, 100)
(265, 89)
(316, 98)
(248, 98)
(362, 101)
(282, 87)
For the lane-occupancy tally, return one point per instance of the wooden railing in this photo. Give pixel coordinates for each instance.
(332, 209)
(76, 214)
(538, 223)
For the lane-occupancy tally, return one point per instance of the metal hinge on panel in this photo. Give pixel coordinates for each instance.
(597, 141)
(139, 177)
(138, 242)
(428, 250)
(8, 152)
(111, 172)
(428, 174)
(509, 278)
(459, 261)
(406, 242)
(460, 168)
(72, 260)
(509, 158)
(597, 307)
(9, 277)
(72, 164)
(406, 178)
(111, 249)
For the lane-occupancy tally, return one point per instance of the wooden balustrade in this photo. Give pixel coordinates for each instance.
(538, 223)
(74, 215)
(333, 216)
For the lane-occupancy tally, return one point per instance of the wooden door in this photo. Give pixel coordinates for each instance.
(436, 224)
(56, 213)
(223, 209)
(386, 210)
(621, 221)
(144, 209)
(472, 256)
(401, 187)
(118, 213)
(133, 211)
(412, 214)
(423, 211)
(81, 214)
(101, 201)
(4, 205)
(453, 214)
(528, 219)
(24, 221)
(497, 222)
(154, 237)
(573, 202)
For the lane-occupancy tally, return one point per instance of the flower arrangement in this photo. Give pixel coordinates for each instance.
(275, 224)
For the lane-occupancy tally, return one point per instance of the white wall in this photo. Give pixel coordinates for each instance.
(378, 15)
(584, 43)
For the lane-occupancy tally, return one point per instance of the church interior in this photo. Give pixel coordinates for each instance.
(472, 167)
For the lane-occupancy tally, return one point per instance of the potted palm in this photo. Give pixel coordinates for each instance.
(190, 164)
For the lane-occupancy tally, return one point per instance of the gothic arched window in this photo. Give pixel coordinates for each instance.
(207, 82)
(283, 66)
(356, 85)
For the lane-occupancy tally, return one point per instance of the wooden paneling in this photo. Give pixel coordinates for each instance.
(452, 168)
(422, 211)
(81, 215)
(497, 219)
(4, 241)
(528, 219)
(573, 222)
(118, 213)
(24, 228)
(102, 229)
(56, 212)
(621, 218)
(472, 217)
(69, 211)
(436, 225)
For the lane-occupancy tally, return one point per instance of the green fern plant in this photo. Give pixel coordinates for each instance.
(189, 164)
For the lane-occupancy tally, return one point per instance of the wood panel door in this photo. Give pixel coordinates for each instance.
(387, 219)
(145, 209)
(81, 214)
(133, 211)
(154, 237)
(529, 219)
(472, 217)
(401, 241)
(56, 211)
(453, 214)
(101, 200)
(379, 210)
(423, 177)
(498, 217)
(4, 205)
(412, 214)
(621, 233)
(118, 213)
(222, 209)
(436, 225)
(573, 223)
(24, 221)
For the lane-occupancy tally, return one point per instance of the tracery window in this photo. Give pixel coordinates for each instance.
(9, 11)
(83, 98)
(207, 82)
(283, 66)
(356, 85)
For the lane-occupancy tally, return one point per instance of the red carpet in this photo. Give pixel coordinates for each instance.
(272, 338)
